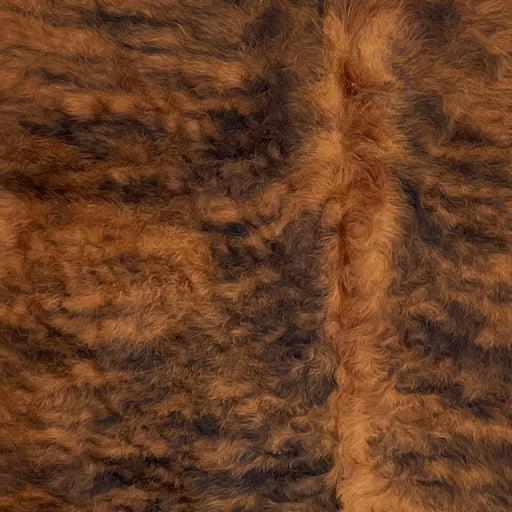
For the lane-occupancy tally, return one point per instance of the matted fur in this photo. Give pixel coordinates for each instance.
(256, 256)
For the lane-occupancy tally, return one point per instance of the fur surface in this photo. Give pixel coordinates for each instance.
(256, 256)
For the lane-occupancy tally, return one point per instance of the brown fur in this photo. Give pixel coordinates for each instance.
(256, 256)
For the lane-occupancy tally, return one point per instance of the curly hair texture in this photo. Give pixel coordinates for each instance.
(256, 256)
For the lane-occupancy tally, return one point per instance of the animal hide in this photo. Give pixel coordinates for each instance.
(256, 256)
